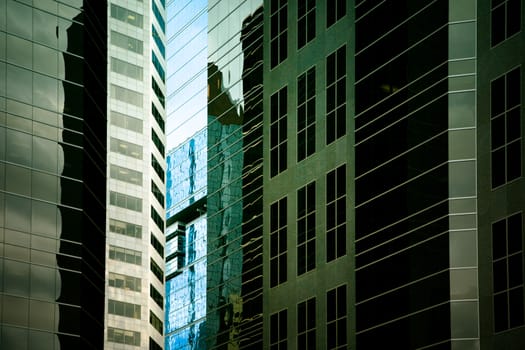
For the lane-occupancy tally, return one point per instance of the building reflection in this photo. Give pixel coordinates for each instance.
(214, 234)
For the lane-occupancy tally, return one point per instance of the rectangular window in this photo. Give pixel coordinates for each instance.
(126, 42)
(306, 320)
(505, 98)
(158, 117)
(157, 245)
(335, 10)
(127, 16)
(125, 228)
(158, 92)
(126, 95)
(126, 68)
(126, 122)
(123, 336)
(121, 308)
(336, 213)
(125, 174)
(126, 148)
(125, 255)
(305, 22)
(336, 318)
(157, 193)
(153, 345)
(157, 219)
(158, 16)
(125, 201)
(155, 322)
(117, 280)
(336, 95)
(278, 32)
(507, 269)
(158, 41)
(278, 132)
(278, 244)
(306, 114)
(156, 140)
(505, 19)
(158, 66)
(279, 330)
(157, 271)
(157, 167)
(156, 296)
(306, 228)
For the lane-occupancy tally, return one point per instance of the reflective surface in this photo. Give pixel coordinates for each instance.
(46, 201)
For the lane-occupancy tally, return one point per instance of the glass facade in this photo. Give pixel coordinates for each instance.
(52, 174)
(212, 173)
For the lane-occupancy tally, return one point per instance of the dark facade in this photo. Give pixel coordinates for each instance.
(53, 174)
(392, 190)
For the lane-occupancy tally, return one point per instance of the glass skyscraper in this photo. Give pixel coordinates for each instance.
(52, 174)
(386, 200)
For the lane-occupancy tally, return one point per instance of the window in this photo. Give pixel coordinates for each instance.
(279, 330)
(156, 140)
(153, 345)
(157, 271)
(305, 22)
(121, 308)
(123, 336)
(335, 10)
(157, 219)
(306, 114)
(505, 93)
(278, 32)
(157, 245)
(157, 167)
(157, 193)
(336, 318)
(125, 15)
(126, 95)
(158, 16)
(125, 228)
(278, 132)
(306, 325)
(157, 116)
(155, 322)
(306, 228)
(507, 267)
(124, 174)
(158, 66)
(126, 122)
(117, 280)
(125, 255)
(157, 91)
(126, 42)
(156, 296)
(125, 68)
(158, 41)
(336, 95)
(505, 19)
(278, 237)
(336, 213)
(126, 148)
(125, 201)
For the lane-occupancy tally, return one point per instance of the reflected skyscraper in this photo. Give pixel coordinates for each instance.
(52, 174)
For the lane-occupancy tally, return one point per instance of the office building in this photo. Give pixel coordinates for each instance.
(136, 185)
(389, 193)
(52, 174)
